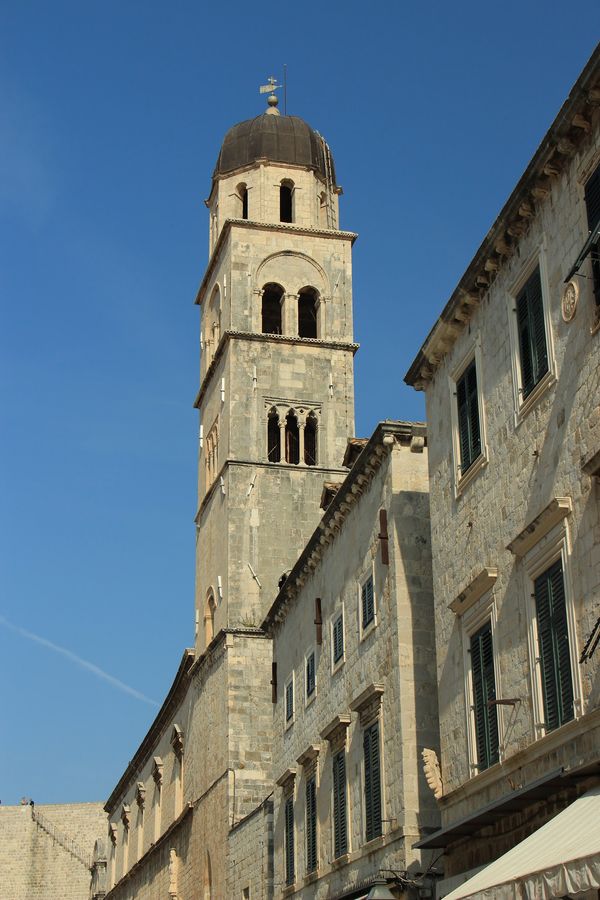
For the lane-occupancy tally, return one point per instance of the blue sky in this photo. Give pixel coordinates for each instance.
(113, 114)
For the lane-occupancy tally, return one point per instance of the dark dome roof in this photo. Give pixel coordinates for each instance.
(284, 139)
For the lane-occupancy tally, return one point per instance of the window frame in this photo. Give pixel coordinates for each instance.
(472, 621)
(335, 617)
(365, 630)
(472, 355)
(288, 721)
(549, 549)
(309, 698)
(522, 405)
(592, 170)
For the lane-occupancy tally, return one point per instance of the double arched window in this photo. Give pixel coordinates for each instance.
(308, 302)
(292, 435)
(273, 300)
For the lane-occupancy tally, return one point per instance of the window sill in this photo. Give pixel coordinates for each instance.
(289, 724)
(310, 700)
(532, 399)
(338, 665)
(471, 473)
(365, 632)
(374, 843)
(311, 877)
(340, 860)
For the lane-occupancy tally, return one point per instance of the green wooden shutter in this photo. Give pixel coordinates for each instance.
(340, 835)
(338, 639)
(289, 840)
(311, 824)
(372, 782)
(468, 417)
(289, 700)
(484, 690)
(368, 605)
(553, 641)
(310, 675)
(532, 333)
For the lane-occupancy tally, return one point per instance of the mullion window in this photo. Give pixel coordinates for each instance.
(311, 824)
(468, 418)
(532, 334)
(289, 840)
(372, 782)
(340, 833)
(484, 691)
(553, 643)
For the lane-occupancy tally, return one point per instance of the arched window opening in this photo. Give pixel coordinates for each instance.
(323, 209)
(307, 313)
(286, 197)
(242, 192)
(209, 619)
(273, 437)
(310, 440)
(271, 309)
(292, 439)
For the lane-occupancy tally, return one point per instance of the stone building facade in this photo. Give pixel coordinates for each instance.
(512, 382)
(47, 851)
(354, 692)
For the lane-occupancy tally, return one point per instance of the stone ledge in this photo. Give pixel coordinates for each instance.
(474, 590)
(555, 512)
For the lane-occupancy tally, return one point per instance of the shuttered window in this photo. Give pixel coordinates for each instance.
(553, 645)
(311, 824)
(592, 205)
(469, 435)
(367, 602)
(372, 782)
(289, 840)
(338, 638)
(340, 832)
(310, 674)
(289, 700)
(484, 690)
(533, 349)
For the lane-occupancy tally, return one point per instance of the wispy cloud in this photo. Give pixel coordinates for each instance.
(82, 663)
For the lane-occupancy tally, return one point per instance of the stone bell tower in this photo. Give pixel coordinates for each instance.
(276, 396)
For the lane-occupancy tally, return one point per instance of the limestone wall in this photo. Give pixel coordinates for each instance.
(532, 455)
(250, 863)
(397, 653)
(36, 865)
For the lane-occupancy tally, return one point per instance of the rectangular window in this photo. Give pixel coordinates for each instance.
(340, 832)
(337, 640)
(289, 840)
(289, 700)
(483, 680)
(311, 824)
(310, 674)
(367, 602)
(553, 646)
(469, 435)
(592, 205)
(533, 348)
(372, 782)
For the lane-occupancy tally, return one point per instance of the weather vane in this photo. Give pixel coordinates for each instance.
(270, 89)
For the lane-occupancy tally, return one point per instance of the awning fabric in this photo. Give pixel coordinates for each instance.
(562, 857)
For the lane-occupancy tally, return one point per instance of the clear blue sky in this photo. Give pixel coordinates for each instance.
(112, 117)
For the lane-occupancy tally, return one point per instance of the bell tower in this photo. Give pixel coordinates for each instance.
(276, 398)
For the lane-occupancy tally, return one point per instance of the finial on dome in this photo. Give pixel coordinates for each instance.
(272, 99)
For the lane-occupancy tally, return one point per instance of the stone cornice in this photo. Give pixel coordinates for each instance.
(232, 334)
(557, 510)
(264, 226)
(354, 485)
(567, 132)
(159, 725)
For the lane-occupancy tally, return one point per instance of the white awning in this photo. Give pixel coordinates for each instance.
(562, 857)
